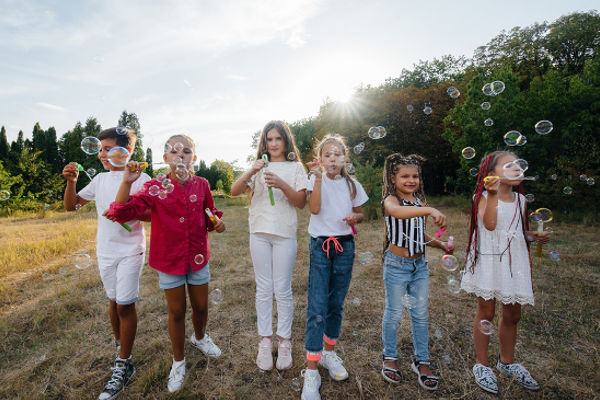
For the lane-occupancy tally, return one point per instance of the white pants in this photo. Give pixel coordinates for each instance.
(121, 277)
(273, 258)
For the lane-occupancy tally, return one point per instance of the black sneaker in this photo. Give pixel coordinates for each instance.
(123, 371)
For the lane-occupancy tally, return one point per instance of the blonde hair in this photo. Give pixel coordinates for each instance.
(192, 145)
(338, 140)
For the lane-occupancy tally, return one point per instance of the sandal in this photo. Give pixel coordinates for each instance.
(424, 378)
(389, 370)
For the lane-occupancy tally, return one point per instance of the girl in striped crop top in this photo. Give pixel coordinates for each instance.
(405, 271)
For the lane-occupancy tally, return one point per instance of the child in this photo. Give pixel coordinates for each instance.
(273, 235)
(120, 253)
(498, 265)
(179, 248)
(405, 270)
(335, 206)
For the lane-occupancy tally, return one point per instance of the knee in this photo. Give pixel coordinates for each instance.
(511, 317)
(123, 311)
(283, 291)
(177, 313)
(486, 312)
(392, 314)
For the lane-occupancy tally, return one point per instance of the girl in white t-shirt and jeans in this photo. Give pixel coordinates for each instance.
(273, 223)
(335, 205)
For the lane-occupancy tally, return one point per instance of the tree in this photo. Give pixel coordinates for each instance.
(4, 146)
(224, 174)
(130, 120)
(149, 170)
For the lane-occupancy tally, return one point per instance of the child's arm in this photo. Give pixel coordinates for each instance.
(71, 198)
(296, 198)
(129, 177)
(392, 207)
(355, 217)
(314, 201)
(488, 206)
(241, 185)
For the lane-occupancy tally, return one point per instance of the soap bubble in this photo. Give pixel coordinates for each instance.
(356, 301)
(449, 262)
(450, 90)
(337, 177)
(497, 87)
(523, 164)
(513, 171)
(487, 89)
(46, 206)
(473, 171)
(468, 153)
(535, 217)
(377, 132)
(291, 156)
(161, 177)
(530, 197)
(216, 296)
(193, 198)
(554, 177)
(91, 171)
(166, 182)
(153, 190)
(118, 156)
(523, 141)
(168, 147)
(427, 110)
(182, 174)
(178, 147)
(169, 188)
(162, 195)
(77, 206)
(454, 94)
(544, 127)
(90, 145)
(486, 327)
(357, 149)
(296, 385)
(121, 130)
(488, 122)
(567, 190)
(453, 284)
(82, 261)
(583, 177)
(366, 258)
(350, 168)
(181, 219)
(199, 258)
(410, 108)
(554, 255)
(486, 105)
(4, 195)
(513, 138)
(590, 181)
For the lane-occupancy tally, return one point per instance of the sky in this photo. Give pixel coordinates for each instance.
(220, 70)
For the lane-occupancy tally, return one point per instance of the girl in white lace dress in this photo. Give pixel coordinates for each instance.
(498, 264)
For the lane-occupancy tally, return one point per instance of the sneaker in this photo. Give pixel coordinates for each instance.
(284, 354)
(176, 376)
(521, 375)
(206, 345)
(264, 359)
(312, 383)
(485, 378)
(333, 363)
(123, 371)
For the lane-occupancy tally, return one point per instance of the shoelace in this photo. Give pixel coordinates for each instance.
(338, 247)
(487, 375)
(335, 358)
(310, 382)
(117, 376)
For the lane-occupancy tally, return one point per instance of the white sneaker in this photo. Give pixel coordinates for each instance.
(264, 359)
(312, 383)
(206, 345)
(333, 363)
(284, 354)
(176, 376)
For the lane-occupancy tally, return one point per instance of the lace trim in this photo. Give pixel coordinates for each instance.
(497, 295)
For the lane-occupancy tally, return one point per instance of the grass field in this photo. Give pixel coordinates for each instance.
(56, 342)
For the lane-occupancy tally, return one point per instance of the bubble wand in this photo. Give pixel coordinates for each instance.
(266, 160)
(80, 169)
(540, 216)
(210, 216)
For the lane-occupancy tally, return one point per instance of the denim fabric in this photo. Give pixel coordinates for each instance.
(328, 282)
(169, 281)
(402, 276)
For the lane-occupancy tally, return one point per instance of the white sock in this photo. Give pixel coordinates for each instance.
(178, 363)
(312, 372)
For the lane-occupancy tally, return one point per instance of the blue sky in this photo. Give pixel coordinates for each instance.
(219, 70)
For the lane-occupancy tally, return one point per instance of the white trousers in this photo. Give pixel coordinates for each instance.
(273, 258)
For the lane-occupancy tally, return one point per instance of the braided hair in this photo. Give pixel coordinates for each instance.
(391, 165)
(488, 165)
(339, 141)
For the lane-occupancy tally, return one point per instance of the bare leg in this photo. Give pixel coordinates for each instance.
(507, 331)
(176, 307)
(114, 319)
(128, 328)
(485, 310)
(199, 302)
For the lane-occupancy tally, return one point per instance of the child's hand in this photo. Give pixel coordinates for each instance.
(273, 181)
(219, 225)
(438, 218)
(314, 166)
(444, 246)
(491, 184)
(352, 219)
(541, 237)
(133, 170)
(110, 217)
(257, 166)
(70, 172)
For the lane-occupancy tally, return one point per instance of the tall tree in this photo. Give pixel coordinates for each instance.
(149, 170)
(4, 146)
(130, 120)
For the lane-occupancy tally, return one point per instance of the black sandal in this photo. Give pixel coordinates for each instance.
(391, 370)
(424, 378)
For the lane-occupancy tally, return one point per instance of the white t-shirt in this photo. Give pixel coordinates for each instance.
(336, 204)
(112, 239)
(280, 219)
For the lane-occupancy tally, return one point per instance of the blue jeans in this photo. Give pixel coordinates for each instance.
(402, 276)
(328, 282)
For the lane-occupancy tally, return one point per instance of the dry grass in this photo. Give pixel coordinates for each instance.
(55, 338)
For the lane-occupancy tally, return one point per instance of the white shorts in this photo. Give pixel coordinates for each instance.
(121, 277)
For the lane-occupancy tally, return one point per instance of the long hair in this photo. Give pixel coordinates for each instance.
(488, 165)
(286, 135)
(339, 141)
(391, 165)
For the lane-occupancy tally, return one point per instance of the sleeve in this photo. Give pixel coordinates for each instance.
(209, 203)
(89, 191)
(310, 183)
(140, 182)
(300, 181)
(134, 208)
(361, 196)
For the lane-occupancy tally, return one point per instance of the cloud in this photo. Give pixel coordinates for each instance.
(49, 106)
(234, 77)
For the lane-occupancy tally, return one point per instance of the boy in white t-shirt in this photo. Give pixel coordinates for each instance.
(120, 252)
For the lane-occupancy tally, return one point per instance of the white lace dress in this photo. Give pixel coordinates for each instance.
(503, 269)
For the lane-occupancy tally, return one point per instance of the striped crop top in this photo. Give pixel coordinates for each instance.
(408, 233)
